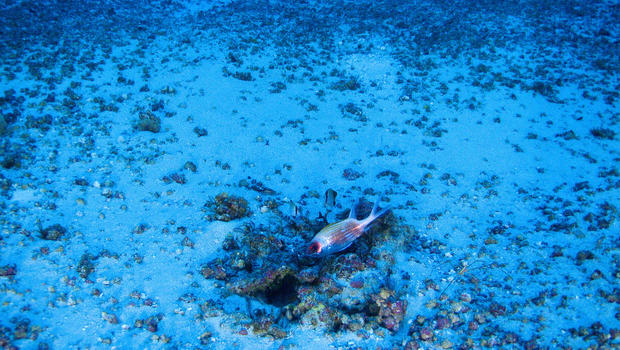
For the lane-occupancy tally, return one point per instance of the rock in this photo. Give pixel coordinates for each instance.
(245, 76)
(603, 133)
(190, 166)
(391, 310)
(352, 83)
(351, 174)
(412, 345)
(11, 161)
(8, 270)
(497, 309)
(584, 255)
(230, 243)
(446, 344)
(309, 275)
(426, 334)
(200, 132)
(354, 300)
(53, 233)
(393, 176)
(580, 186)
(229, 208)
(85, 266)
(3, 125)
(277, 87)
(442, 322)
(111, 318)
(568, 135)
(148, 122)
(152, 322)
(205, 338)
(175, 177)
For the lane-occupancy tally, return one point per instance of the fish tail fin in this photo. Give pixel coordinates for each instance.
(376, 213)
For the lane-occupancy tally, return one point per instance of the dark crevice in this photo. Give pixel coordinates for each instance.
(283, 291)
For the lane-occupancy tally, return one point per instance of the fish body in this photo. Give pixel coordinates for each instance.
(339, 236)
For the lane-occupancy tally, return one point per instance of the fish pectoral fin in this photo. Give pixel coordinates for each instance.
(345, 246)
(349, 237)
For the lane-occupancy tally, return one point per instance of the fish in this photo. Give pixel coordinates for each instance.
(330, 198)
(339, 236)
(292, 208)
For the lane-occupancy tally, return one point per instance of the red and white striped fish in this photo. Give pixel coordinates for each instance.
(339, 236)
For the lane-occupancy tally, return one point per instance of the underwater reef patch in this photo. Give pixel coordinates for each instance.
(347, 291)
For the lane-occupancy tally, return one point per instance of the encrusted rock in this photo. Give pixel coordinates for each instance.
(148, 122)
(391, 311)
(229, 208)
(85, 266)
(53, 233)
(8, 270)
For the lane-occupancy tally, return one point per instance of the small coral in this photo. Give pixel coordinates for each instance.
(265, 326)
(216, 269)
(391, 311)
(229, 208)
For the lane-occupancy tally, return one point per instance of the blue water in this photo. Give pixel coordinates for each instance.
(166, 164)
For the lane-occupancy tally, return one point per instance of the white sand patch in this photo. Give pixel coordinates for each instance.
(210, 241)
(372, 67)
(25, 195)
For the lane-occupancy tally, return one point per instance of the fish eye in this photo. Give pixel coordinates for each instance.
(314, 248)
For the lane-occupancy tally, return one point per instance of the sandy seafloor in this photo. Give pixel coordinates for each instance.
(491, 127)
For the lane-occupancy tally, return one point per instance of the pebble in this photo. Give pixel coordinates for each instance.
(111, 318)
(426, 334)
(465, 297)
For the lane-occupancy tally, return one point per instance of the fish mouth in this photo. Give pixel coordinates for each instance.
(305, 252)
(315, 249)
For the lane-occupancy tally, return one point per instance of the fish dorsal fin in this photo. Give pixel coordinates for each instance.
(353, 213)
(375, 207)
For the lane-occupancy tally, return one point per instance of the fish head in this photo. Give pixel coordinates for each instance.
(315, 248)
